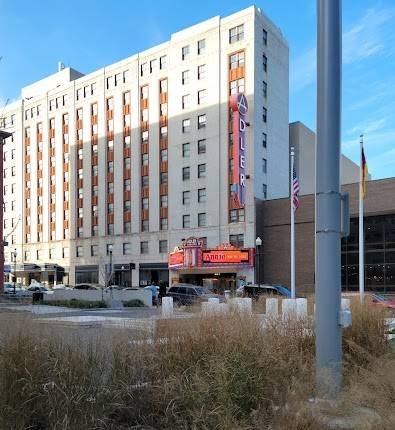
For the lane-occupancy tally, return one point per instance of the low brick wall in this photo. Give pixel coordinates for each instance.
(123, 295)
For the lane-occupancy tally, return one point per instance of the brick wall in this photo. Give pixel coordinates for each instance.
(380, 199)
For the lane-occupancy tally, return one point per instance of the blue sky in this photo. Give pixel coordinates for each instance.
(88, 34)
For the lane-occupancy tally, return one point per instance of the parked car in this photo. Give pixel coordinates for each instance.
(19, 290)
(87, 287)
(255, 291)
(62, 287)
(188, 294)
(380, 300)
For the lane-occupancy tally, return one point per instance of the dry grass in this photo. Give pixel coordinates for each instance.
(222, 373)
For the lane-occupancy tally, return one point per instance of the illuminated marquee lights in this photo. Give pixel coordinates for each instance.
(239, 107)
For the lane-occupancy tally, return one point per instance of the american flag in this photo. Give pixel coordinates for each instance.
(295, 190)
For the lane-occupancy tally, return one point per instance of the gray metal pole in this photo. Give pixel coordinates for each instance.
(328, 213)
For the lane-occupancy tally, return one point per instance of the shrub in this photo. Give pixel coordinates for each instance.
(134, 303)
(76, 303)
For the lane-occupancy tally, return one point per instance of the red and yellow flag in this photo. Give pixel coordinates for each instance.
(365, 172)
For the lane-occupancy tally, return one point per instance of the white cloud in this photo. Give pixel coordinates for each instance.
(363, 40)
(367, 127)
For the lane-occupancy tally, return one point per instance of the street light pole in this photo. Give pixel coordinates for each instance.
(258, 244)
(328, 200)
(14, 254)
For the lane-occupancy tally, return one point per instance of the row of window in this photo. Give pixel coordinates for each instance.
(186, 99)
(186, 74)
(152, 66)
(186, 172)
(186, 50)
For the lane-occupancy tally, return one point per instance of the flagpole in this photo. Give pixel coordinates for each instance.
(292, 225)
(361, 235)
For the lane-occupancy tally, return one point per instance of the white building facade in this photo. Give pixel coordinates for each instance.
(118, 167)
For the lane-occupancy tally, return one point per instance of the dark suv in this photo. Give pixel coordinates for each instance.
(187, 294)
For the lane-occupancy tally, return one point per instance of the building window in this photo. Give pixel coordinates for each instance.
(236, 86)
(94, 250)
(186, 125)
(186, 197)
(153, 65)
(143, 69)
(264, 165)
(127, 227)
(264, 139)
(163, 246)
(202, 121)
(186, 173)
(236, 60)
(236, 215)
(144, 136)
(144, 225)
(264, 191)
(144, 247)
(163, 224)
(202, 146)
(126, 142)
(126, 185)
(236, 33)
(163, 201)
(186, 101)
(144, 114)
(201, 46)
(65, 252)
(201, 170)
(144, 92)
(110, 208)
(186, 150)
(80, 213)
(144, 203)
(126, 163)
(264, 114)
(163, 132)
(163, 177)
(202, 220)
(79, 251)
(163, 62)
(163, 86)
(110, 187)
(185, 53)
(237, 240)
(202, 97)
(185, 77)
(145, 181)
(126, 248)
(144, 159)
(186, 221)
(202, 196)
(95, 190)
(201, 71)
(264, 89)
(264, 36)
(264, 63)
(163, 155)
(127, 206)
(163, 109)
(95, 230)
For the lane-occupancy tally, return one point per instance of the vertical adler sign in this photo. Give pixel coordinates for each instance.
(239, 108)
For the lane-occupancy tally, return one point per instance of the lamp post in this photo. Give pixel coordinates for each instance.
(258, 244)
(14, 255)
(122, 269)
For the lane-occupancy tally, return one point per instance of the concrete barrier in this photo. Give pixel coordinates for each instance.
(345, 304)
(301, 308)
(243, 305)
(272, 307)
(289, 308)
(107, 295)
(167, 307)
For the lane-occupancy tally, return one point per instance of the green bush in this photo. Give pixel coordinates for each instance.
(134, 303)
(75, 303)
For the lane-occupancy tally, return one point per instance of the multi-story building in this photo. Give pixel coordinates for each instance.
(118, 167)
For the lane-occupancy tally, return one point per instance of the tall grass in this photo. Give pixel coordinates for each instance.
(202, 373)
